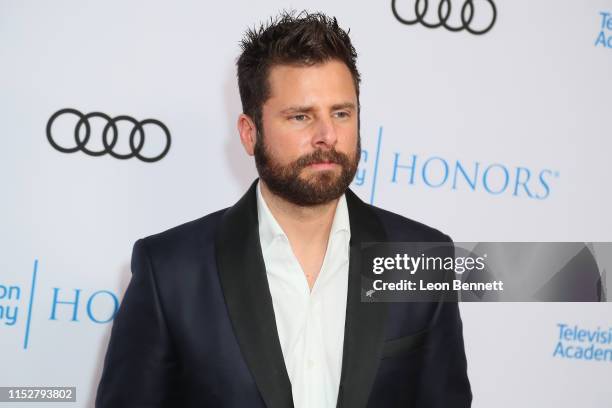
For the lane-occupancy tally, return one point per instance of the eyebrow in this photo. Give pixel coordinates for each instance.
(308, 109)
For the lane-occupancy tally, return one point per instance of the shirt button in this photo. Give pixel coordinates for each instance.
(310, 363)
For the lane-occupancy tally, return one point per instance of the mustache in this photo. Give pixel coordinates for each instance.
(320, 156)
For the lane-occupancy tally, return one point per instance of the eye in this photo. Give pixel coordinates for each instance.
(342, 114)
(299, 118)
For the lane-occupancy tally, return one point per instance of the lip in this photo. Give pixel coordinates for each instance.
(323, 166)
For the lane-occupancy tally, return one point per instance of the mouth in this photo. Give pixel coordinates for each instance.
(325, 165)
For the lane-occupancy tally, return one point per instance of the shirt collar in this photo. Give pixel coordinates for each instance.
(270, 230)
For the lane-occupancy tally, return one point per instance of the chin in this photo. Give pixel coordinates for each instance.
(326, 177)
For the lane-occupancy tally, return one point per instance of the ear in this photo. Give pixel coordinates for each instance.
(248, 133)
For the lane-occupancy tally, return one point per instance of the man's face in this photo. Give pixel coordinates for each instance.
(309, 147)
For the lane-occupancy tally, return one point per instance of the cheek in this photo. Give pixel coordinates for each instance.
(348, 139)
(288, 140)
(286, 146)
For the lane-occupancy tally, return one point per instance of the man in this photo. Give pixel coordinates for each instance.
(259, 305)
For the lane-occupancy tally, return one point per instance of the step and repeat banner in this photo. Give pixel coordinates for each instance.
(489, 120)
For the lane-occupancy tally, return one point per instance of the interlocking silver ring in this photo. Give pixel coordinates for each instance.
(111, 132)
(444, 14)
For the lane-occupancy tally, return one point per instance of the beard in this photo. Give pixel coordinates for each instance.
(317, 188)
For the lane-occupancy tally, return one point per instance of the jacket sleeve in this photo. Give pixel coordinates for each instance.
(445, 382)
(140, 365)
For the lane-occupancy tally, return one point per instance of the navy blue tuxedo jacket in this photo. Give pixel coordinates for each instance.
(196, 326)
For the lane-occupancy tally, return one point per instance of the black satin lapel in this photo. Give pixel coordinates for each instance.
(245, 286)
(365, 321)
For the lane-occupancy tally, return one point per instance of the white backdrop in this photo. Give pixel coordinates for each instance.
(528, 100)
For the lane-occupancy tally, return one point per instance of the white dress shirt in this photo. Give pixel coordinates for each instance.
(310, 323)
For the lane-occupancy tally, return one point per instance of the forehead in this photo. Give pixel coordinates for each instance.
(324, 82)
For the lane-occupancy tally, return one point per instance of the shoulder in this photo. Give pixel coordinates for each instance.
(400, 228)
(186, 237)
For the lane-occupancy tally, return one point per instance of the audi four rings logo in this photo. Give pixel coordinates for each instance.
(109, 135)
(445, 13)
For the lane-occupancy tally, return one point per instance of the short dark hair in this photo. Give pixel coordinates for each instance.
(292, 39)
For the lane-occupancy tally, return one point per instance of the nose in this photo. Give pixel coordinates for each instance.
(325, 136)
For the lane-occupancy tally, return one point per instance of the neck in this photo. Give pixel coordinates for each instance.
(300, 223)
